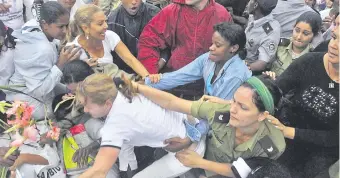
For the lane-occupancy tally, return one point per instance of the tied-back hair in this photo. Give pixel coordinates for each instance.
(6, 32)
(273, 88)
(76, 71)
(83, 16)
(311, 18)
(51, 11)
(234, 34)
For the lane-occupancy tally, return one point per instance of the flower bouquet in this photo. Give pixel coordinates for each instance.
(21, 125)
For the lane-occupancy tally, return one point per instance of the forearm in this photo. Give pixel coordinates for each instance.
(137, 66)
(289, 132)
(325, 138)
(218, 168)
(258, 65)
(92, 172)
(165, 100)
(27, 158)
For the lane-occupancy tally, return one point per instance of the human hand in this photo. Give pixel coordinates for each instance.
(214, 99)
(92, 62)
(189, 158)
(326, 23)
(176, 144)
(4, 8)
(155, 78)
(82, 154)
(9, 161)
(44, 140)
(18, 162)
(288, 132)
(271, 74)
(130, 83)
(67, 54)
(161, 63)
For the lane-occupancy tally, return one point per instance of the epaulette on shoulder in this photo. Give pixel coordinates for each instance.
(267, 28)
(268, 146)
(284, 42)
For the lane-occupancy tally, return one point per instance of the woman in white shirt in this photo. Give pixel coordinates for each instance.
(132, 121)
(6, 54)
(97, 42)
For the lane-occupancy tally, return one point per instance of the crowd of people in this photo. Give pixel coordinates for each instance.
(173, 89)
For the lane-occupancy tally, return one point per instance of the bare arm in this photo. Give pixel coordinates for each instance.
(164, 99)
(258, 65)
(125, 54)
(105, 159)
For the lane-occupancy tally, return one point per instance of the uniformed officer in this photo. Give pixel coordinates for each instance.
(263, 34)
(239, 129)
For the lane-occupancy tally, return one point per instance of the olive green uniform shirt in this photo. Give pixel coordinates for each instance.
(267, 142)
(284, 57)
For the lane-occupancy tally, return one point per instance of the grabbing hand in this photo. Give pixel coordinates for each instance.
(82, 154)
(189, 158)
(155, 78)
(44, 140)
(4, 8)
(271, 74)
(176, 144)
(288, 132)
(67, 54)
(214, 99)
(9, 161)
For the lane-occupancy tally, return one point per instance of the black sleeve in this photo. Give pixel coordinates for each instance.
(322, 47)
(326, 138)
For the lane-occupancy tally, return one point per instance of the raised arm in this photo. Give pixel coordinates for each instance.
(125, 54)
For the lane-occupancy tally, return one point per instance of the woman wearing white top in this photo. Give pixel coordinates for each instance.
(6, 54)
(97, 42)
(131, 122)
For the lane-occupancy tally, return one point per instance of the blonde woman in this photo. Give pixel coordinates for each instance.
(97, 42)
(132, 122)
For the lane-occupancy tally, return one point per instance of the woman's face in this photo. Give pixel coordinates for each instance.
(58, 29)
(220, 49)
(98, 26)
(302, 35)
(95, 110)
(243, 111)
(333, 46)
(72, 87)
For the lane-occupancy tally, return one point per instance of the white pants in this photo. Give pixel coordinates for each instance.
(169, 166)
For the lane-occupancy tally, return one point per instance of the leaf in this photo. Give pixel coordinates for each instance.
(10, 151)
(11, 129)
(63, 101)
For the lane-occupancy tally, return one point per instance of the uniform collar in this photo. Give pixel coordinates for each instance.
(261, 21)
(289, 48)
(250, 144)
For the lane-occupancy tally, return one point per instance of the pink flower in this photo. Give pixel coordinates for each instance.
(17, 143)
(30, 133)
(53, 133)
(27, 113)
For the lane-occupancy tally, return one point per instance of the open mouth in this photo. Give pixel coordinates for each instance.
(133, 8)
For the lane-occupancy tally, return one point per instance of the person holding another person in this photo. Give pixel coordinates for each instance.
(222, 69)
(307, 26)
(97, 42)
(128, 21)
(263, 34)
(239, 128)
(36, 61)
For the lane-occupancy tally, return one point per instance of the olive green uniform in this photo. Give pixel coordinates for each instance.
(267, 142)
(284, 56)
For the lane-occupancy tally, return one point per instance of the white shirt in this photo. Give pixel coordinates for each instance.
(109, 43)
(53, 169)
(7, 66)
(140, 123)
(14, 18)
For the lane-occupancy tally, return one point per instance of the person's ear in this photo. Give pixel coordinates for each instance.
(234, 48)
(108, 103)
(44, 25)
(263, 116)
(86, 29)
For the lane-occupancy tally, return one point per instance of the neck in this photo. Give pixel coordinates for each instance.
(220, 64)
(248, 131)
(93, 43)
(297, 50)
(201, 5)
(258, 15)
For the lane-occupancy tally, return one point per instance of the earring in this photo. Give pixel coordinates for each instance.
(87, 37)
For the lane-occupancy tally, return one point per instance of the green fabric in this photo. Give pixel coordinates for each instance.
(284, 58)
(3, 172)
(221, 146)
(263, 92)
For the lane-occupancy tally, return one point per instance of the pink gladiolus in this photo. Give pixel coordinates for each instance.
(30, 133)
(54, 133)
(17, 143)
(27, 113)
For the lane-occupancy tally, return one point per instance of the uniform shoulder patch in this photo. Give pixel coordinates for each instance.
(284, 42)
(267, 28)
(222, 117)
(268, 146)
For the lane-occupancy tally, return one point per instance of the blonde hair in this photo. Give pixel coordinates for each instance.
(97, 87)
(83, 16)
